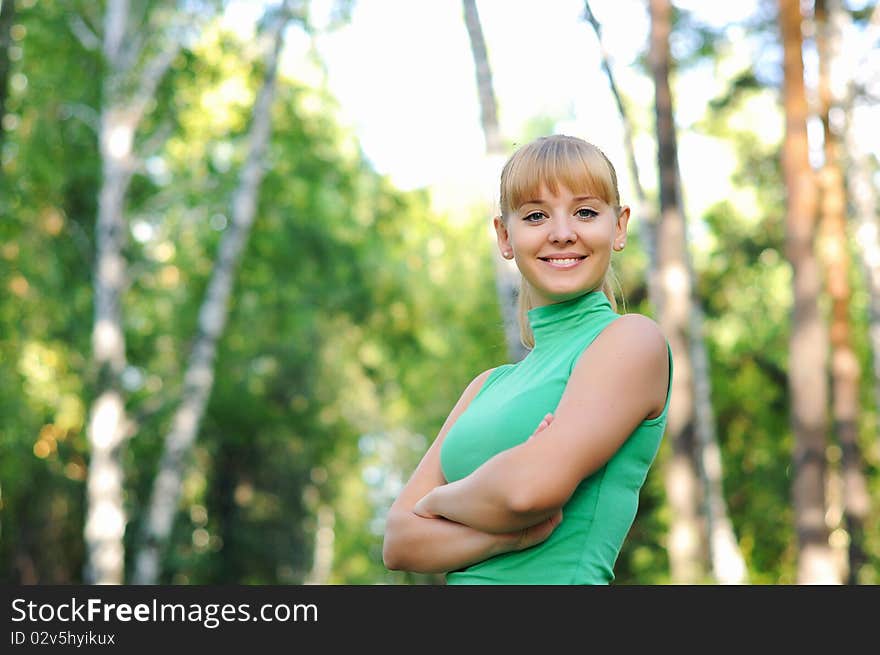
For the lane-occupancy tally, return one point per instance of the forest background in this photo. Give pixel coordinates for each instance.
(247, 268)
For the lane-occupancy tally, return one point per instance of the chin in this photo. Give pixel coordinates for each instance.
(562, 294)
(569, 289)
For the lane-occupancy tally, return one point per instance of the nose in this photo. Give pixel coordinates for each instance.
(561, 230)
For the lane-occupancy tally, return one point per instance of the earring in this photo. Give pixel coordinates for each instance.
(508, 254)
(618, 246)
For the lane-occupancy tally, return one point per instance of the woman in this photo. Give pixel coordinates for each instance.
(535, 475)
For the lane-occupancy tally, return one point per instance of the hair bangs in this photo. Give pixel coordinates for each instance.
(549, 162)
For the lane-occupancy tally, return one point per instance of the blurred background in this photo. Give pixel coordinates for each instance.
(247, 268)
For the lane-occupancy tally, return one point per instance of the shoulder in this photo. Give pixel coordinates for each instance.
(635, 347)
(639, 333)
(635, 343)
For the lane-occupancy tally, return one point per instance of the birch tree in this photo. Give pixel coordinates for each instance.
(199, 373)
(507, 278)
(727, 562)
(808, 350)
(648, 225)
(682, 482)
(130, 81)
(845, 369)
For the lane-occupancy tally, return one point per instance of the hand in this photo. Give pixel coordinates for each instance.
(537, 533)
(421, 508)
(545, 422)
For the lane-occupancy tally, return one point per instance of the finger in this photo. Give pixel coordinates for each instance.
(544, 422)
(420, 509)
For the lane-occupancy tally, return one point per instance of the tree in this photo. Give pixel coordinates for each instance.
(649, 227)
(129, 85)
(506, 274)
(725, 558)
(845, 369)
(682, 483)
(807, 345)
(199, 375)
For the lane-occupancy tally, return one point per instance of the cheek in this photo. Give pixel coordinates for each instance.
(601, 237)
(523, 239)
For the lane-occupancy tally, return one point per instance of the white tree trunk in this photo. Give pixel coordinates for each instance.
(199, 375)
(121, 114)
(643, 216)
(507, 277)
(725, 559)
(845, 369)
(727, 562)
(105, 515)
(674, 309)
(485, 89)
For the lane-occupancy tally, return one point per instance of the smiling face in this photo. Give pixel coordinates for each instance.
(562, 241)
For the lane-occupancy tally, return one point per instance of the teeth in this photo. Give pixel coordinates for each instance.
(563, 261)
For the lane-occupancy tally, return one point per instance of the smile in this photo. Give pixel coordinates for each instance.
(563, 263)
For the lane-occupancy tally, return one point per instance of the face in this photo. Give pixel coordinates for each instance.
(562, 242)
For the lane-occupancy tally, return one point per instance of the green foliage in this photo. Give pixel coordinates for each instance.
(47, 201)
(357, 310)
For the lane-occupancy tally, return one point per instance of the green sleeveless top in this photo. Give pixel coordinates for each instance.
(506, 410)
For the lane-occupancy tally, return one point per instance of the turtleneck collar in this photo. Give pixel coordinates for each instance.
(550, 322)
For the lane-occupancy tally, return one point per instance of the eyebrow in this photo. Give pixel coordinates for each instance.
(540, 201)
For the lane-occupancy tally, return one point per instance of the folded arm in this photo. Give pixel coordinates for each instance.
(436, 544)
(619, 380)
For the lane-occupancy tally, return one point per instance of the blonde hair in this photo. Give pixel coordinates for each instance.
(549, 161)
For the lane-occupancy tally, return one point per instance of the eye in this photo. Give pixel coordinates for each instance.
(586, 212)
(533, 217)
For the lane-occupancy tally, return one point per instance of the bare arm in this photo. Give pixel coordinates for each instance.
(437, 544)
(619, 380)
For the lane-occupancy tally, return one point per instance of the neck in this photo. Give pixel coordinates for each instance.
(563, 319)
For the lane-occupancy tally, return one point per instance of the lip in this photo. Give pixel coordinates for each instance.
(550, 259)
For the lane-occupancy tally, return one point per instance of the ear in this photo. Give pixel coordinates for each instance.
(502, 235)
(622, 222)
